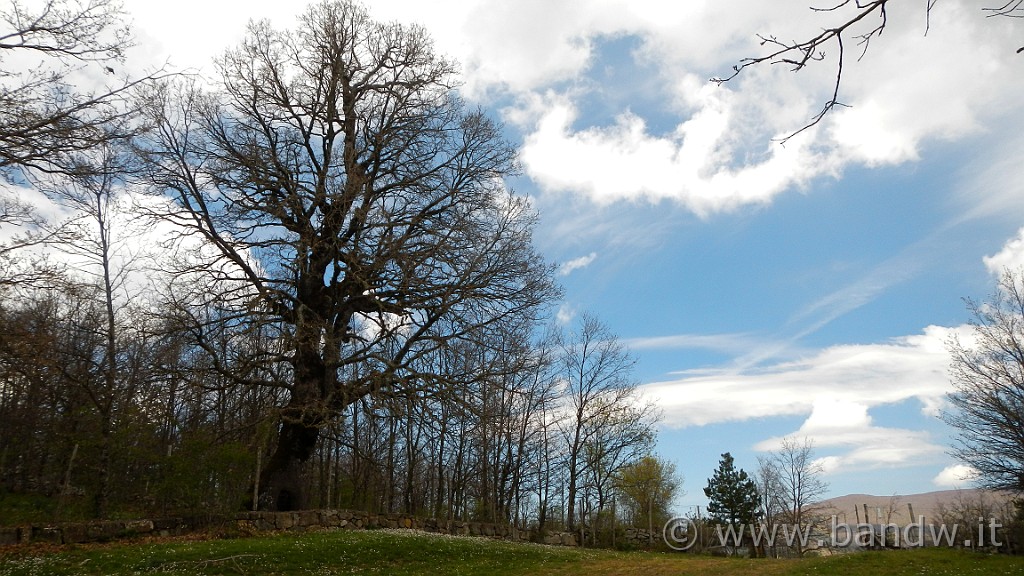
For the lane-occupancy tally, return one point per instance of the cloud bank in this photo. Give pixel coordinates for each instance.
(705, 147)
(912, 367)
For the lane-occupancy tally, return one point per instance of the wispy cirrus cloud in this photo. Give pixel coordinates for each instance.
(727, 343)
(912, 367)
(835, 390)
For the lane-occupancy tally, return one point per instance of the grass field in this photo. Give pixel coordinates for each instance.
(404, 552)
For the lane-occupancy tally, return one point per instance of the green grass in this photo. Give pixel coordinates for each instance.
(924, 561)
(402, 552)
(333, 552)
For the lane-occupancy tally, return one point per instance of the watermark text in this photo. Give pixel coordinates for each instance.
(683, 533)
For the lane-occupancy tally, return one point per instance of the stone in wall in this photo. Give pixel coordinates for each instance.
(250, 523)
(9, 535)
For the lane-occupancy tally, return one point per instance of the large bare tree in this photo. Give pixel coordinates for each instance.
(344, 192)
(988, 388)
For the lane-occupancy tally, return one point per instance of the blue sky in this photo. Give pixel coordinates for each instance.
(765, 290)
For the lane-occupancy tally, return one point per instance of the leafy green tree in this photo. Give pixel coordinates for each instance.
(648, 487)
(732, 494)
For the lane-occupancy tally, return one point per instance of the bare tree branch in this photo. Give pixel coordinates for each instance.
(45, 119)
(799, 54)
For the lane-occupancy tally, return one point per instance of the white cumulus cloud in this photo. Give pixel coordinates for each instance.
(690, 166)
(1010, 257)
(846, 426)
(955, 476)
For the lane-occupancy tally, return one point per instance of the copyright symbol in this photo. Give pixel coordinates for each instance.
(679, 533)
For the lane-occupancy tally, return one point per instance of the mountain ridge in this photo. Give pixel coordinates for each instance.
(931, 505)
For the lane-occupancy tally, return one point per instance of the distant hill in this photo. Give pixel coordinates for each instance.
(927, 504)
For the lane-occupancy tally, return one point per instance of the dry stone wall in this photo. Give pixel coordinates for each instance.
(251, 523)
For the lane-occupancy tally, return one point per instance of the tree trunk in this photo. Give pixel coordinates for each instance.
(102, 496)
(282, 487)
(574, 452)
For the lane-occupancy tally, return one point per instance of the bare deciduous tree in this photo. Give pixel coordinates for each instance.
(598, 378)
(354, 200)
(794, 483)
(772, 508)
(60, 99)
(988, 381)
(93, 192)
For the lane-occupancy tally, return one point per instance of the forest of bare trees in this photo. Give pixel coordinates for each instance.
(302, 284)
(171, 433)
